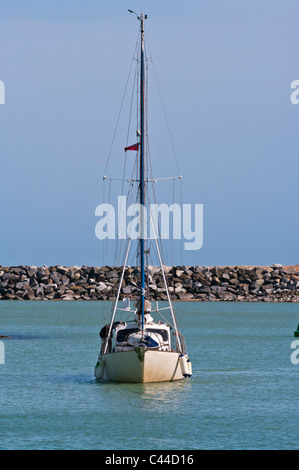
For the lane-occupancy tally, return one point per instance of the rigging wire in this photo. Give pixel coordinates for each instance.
(125, 161)
(133, 190)
(150, 169)
(163, 107)
(173, 148)
(122, 102)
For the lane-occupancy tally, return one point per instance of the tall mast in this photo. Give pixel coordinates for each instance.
(142, 188)
(141, 18)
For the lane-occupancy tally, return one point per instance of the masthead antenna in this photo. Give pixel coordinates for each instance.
(131, 11)
(138, 17)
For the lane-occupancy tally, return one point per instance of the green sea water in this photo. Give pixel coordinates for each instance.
(243, 393)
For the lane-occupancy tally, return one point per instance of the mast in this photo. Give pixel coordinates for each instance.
(141, 18)
(142, 186)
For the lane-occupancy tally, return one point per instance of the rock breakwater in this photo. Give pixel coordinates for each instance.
(274, 283)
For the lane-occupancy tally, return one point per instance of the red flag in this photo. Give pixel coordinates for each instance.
(132, 147)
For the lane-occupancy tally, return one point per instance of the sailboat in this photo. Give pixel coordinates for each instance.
(142, 350)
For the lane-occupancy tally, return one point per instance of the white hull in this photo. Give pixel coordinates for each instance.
(140, 365)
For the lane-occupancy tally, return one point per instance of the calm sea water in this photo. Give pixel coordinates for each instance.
(243, 393)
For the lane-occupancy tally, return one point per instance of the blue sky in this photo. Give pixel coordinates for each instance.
(224, 69)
